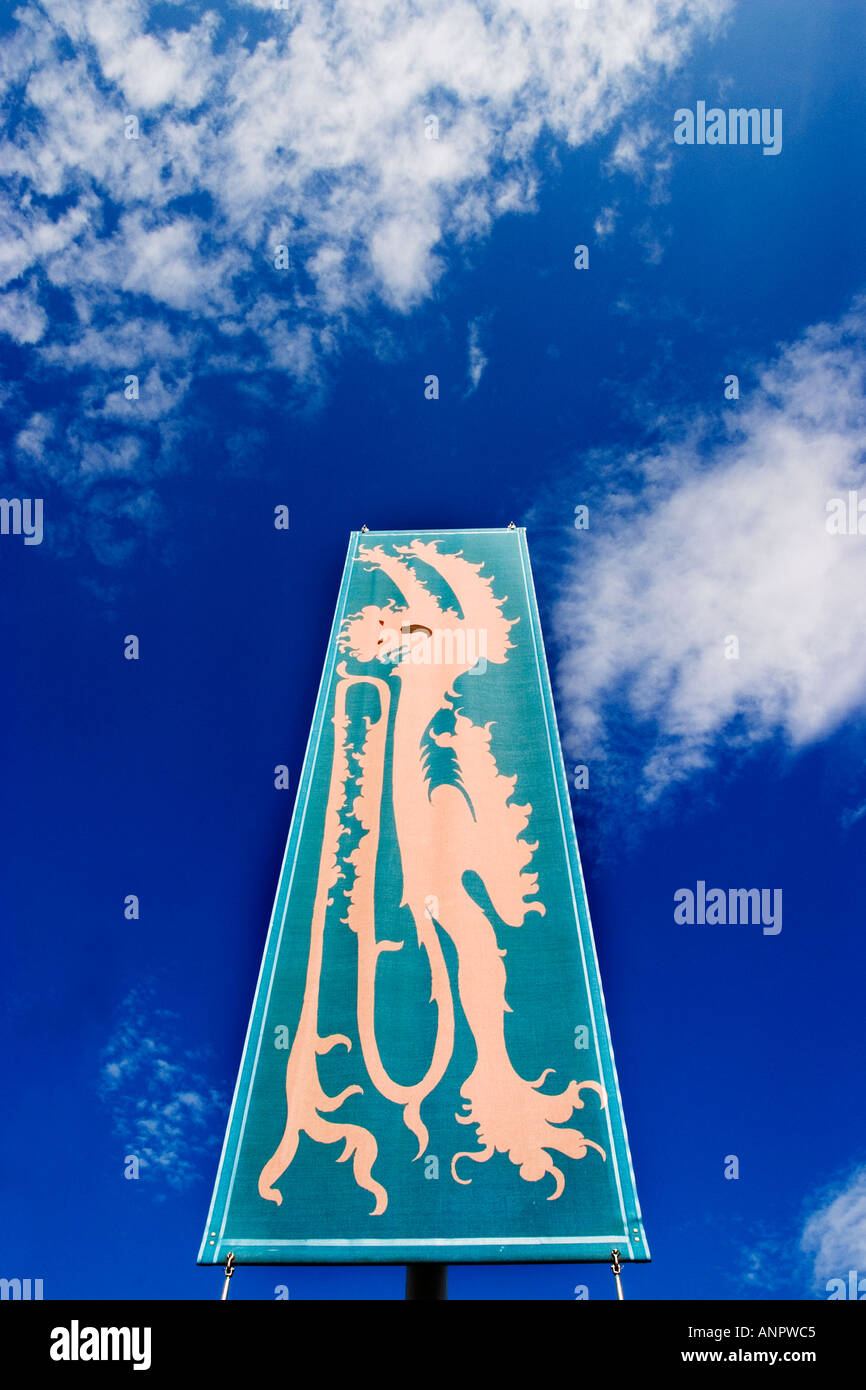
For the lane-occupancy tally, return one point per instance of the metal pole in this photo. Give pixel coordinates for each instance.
(616, 1267)
(230, 1269)
(427, 1280)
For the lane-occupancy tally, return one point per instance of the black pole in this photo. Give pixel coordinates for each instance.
(427, 1280)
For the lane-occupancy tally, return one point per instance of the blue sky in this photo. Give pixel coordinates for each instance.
(305, 387)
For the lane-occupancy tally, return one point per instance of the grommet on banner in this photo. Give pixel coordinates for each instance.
(230, 1269)
(511, 526)
(616, 1267)
(365, 528)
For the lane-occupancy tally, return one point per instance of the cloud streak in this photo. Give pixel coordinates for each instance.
(477, 359)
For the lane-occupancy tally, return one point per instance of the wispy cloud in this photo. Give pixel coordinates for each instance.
(852, 814)
(834, 1236)
(605, 222)
(164, 1110)
(644, 152)
(717, 532)
(762, 1265)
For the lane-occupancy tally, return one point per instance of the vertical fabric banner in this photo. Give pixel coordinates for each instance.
(428, 1073)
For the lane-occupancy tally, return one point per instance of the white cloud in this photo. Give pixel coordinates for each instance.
(317, 128)
(157, 398)
(150, 71)
(644, 152)
(723, 534)
(122, 346)
(605, 223)
(834, 1236)
(164, 1110)
(630, 153)
(167, 261)
(155, 255)
(21, 317)
(401, 255)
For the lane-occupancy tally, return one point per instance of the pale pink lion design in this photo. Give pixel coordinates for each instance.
(466, 824)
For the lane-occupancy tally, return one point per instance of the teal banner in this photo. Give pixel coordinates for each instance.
(427, 1073)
